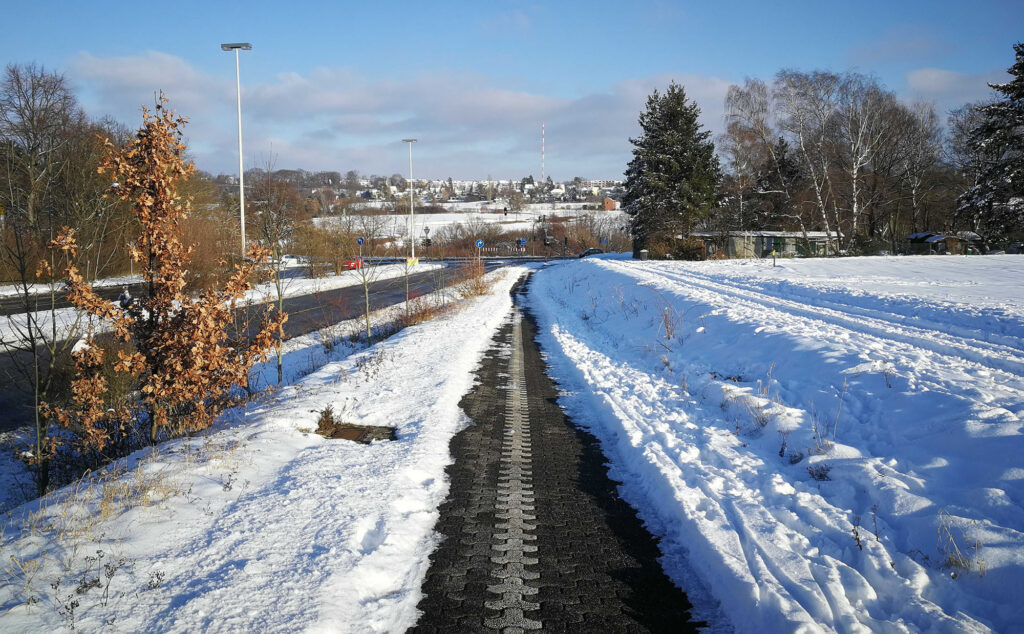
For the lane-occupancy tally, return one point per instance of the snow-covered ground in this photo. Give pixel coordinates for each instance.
(834, 444)
(826, 445)
(261, 524)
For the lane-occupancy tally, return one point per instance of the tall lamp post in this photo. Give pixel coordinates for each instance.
(412, 236)
(237, 46)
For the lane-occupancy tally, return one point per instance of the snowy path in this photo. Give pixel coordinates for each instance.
(534, 536)
(713, 431)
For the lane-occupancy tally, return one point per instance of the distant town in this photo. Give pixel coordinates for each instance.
(334, 191)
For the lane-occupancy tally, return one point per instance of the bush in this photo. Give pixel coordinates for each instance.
(472, 280)
(665, 246)
(689, 249)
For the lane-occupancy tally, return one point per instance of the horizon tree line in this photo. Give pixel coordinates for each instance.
(829, 152)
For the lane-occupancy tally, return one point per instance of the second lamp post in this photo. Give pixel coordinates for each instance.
(412, 236)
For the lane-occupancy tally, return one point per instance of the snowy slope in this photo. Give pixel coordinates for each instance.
(833, 444)
(260, 524)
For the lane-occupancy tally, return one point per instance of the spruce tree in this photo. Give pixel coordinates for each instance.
(997, 201)
(672, 180)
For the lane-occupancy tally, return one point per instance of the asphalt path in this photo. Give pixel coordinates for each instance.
(306, 313)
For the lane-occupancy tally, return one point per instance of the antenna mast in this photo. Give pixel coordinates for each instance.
(542, 152)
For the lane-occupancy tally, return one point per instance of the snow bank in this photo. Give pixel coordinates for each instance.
(829, 444)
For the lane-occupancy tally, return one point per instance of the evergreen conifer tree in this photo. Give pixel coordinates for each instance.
(997, 201)
(672, 180)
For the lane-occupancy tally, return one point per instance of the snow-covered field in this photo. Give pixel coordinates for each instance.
(826, 445)
(469, 214)
(834, 444)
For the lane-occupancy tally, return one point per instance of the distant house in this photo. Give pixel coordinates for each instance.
(610, 205)
(761, 244)
(932, 243)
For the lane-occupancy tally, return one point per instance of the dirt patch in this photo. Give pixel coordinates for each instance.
(330, 428)
(359, 433)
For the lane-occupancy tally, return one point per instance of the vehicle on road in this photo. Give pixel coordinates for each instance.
(591, 252)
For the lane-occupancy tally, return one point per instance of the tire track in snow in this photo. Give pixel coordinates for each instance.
(841, 300)
(1008, 363)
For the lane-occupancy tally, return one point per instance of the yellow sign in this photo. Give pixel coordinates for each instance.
(412, 261)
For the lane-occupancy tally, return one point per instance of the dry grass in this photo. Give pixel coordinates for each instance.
(140, 489)
(669, 321)
(422, 309)
(819, 471)
(472, 281)
(62, 542)
(22, 576)
(960, 552)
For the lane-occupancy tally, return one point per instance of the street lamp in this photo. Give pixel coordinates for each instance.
(237, 46)
(412, 236)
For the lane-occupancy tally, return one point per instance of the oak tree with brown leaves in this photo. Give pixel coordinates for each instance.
(179, 347)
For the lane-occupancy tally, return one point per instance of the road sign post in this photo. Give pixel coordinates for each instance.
(479, 245)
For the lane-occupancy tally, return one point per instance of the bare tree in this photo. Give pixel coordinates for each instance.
(36, 108)
(808, 103)
(923, 147)
(966, 157)
(38, 116)
(757, 150)
(278, 206)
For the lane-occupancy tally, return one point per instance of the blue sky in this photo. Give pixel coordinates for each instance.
(336, 86)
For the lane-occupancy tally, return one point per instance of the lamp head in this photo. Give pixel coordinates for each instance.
(245, 46)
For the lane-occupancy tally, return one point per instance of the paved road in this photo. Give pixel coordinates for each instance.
(305, 314)
(13, 305)
(534, 533)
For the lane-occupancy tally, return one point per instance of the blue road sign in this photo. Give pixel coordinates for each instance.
(522, 242)
(359, 241)
(479, 243)
(604, 241)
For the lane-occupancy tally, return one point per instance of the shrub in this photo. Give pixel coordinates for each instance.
(665, 245)
(180, 355)
(473, 282)
(689, 249)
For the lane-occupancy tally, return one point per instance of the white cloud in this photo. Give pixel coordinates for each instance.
(949, 89)
(899, 44)
(122, 85)
(337, 118)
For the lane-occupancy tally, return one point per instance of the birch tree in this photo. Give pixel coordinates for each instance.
(860, 127)
(807, 105)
